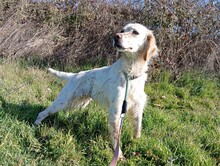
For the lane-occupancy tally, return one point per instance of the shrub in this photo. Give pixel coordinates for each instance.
(70, 33)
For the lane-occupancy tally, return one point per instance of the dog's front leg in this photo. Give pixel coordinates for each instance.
(137, 122)
(114, 120)
(137, 114)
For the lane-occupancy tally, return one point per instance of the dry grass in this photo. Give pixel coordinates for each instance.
(187, 31)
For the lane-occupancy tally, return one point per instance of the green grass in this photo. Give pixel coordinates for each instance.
(181, 124)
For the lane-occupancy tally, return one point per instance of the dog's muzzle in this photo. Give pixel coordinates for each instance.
(117, 41)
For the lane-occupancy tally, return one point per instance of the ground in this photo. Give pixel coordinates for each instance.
(181, 123)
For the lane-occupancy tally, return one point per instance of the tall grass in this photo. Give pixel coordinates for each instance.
(181, 123)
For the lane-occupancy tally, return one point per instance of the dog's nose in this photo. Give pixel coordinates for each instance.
(117, 36)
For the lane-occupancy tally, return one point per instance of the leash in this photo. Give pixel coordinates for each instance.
(123, 112)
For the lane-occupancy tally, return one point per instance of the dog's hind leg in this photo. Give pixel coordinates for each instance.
(62, 102)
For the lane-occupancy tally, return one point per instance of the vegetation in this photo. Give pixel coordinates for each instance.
(65, 33)
(180, 125)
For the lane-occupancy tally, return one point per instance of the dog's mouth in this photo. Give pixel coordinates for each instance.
(120, 47)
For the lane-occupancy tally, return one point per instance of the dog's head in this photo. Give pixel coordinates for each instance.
(136, 39)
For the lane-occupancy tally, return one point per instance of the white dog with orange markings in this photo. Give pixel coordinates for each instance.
(136, 46)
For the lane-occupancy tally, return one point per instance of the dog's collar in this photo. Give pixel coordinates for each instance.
(132, 77)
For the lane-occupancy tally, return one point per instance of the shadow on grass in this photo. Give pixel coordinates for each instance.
(23, 112)
(84, 124)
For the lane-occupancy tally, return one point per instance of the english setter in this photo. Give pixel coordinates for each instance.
(136, 46)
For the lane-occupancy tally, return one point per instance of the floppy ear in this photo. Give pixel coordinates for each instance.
(151, 48)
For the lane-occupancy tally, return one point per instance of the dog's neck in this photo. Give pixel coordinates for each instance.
(133, 66)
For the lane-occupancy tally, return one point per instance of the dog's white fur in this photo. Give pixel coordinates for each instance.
(136, 45)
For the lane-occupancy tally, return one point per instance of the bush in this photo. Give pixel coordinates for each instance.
(70, 33)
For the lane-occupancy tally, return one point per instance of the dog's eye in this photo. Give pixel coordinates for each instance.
(122, 31)
(135, 32)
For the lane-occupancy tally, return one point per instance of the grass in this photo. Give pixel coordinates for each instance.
(181, 124)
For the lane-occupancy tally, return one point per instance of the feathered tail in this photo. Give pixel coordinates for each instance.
(62, 75)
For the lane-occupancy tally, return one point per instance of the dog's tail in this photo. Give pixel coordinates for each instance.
(62, 75)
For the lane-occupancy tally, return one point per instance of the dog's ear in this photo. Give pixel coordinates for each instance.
(151, 49)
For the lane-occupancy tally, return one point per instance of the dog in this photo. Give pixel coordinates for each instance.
(136, 46)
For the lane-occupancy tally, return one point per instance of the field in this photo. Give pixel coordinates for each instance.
(181, 124)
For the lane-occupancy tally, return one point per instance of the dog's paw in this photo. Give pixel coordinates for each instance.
(122, 158)
(137, 135)
(37, 122)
